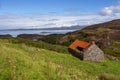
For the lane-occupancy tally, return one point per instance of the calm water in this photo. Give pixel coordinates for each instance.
(14, 33)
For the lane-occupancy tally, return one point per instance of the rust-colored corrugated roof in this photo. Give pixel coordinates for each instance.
(79, 43)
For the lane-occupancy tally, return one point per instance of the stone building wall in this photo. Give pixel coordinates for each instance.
(76, 53)
(94, 53)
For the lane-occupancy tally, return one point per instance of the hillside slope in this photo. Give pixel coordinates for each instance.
(114, 24)
(21, 62)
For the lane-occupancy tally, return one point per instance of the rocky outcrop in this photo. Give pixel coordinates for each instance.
(111, 57)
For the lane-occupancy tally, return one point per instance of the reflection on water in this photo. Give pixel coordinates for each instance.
(14, 33)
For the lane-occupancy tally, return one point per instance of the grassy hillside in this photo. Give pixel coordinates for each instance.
(21, 62)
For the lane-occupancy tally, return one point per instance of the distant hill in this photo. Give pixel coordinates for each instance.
(75, 27)
(114, 24)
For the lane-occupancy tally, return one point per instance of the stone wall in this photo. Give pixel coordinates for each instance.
(75, 53)
(94, 53)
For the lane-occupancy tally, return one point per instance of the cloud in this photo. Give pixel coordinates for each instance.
(46, 21)
(111, 10)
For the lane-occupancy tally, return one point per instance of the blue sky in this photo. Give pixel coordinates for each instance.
(56, 13)
(54, 6)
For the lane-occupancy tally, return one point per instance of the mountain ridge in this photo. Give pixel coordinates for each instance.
(114, 24)
(52, 28)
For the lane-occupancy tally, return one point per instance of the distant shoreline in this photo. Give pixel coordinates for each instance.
(15, 33)
(52, 28)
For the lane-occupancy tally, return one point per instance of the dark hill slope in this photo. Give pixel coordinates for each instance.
(114, 24)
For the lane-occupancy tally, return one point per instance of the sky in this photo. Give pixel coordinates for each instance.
(16, 14)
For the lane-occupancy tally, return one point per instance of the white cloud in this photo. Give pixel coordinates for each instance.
(111, 10)
(44, 21)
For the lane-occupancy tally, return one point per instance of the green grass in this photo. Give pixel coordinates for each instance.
(103, 29)
(114, 49)
(21, 62)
